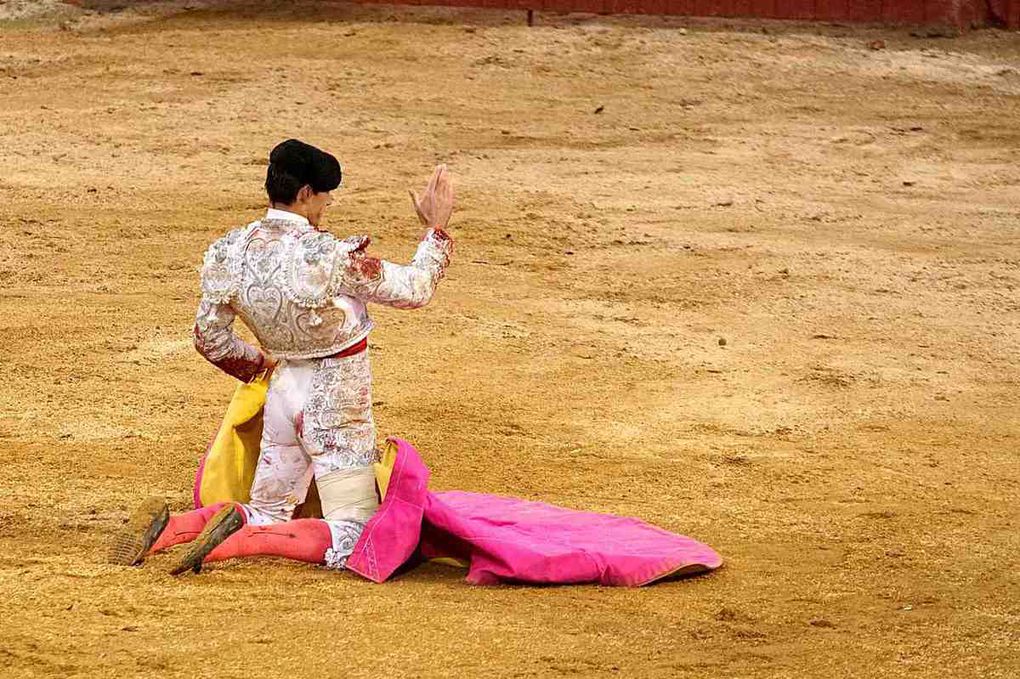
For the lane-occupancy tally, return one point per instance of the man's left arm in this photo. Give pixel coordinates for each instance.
(216, 340)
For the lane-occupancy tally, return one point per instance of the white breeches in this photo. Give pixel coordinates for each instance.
(318, 424)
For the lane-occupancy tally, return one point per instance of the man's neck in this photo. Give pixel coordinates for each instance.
(292, 212)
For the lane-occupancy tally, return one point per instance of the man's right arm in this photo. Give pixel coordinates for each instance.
(411, 286)
(403, 286)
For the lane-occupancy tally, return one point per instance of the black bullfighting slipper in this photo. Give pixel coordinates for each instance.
(221, 526)
(135, 539)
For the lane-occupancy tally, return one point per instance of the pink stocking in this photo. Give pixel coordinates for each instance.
(301, 539)
(184, 527)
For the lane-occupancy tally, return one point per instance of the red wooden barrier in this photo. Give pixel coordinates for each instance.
(960, 14)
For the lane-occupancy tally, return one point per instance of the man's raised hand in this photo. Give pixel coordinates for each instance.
(435, 205)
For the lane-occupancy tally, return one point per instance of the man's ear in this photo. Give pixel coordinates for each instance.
(304, 193)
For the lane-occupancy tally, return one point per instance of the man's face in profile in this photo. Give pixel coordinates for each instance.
(315, 206)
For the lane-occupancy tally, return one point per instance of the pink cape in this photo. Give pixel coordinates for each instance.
(504, 539)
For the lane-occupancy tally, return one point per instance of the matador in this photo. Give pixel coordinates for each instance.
(303, 293)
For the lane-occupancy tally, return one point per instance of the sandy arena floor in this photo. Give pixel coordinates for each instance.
(769, 297)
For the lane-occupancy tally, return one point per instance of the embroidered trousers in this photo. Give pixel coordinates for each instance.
(317, 424)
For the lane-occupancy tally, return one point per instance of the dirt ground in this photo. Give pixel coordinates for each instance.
(755, 285)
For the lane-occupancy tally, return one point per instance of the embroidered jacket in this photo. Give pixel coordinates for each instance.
(302, 292)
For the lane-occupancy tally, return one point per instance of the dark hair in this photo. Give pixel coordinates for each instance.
(293, 164)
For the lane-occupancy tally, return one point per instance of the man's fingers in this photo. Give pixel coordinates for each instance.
(434, 179)
(446, 187)
(443, 182)
(417, 207)
(439, 175)
(439, 190)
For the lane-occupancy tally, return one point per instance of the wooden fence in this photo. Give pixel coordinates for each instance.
(961, 14)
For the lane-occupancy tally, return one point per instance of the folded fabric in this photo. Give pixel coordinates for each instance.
(227, 468)
(506, 539)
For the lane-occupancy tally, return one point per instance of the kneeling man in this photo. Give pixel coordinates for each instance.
(303, 293)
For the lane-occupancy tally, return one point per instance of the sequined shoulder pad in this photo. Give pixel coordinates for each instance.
(221, 267)
(316, 265)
